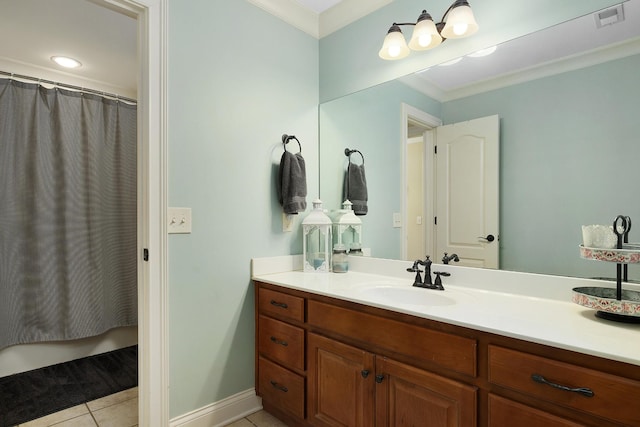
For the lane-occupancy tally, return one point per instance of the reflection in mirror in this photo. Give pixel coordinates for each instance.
(569, 141)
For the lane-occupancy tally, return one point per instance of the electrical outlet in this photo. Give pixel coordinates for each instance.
(179, 220)
(287, 222)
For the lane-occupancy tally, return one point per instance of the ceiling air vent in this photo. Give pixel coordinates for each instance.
(609, 16)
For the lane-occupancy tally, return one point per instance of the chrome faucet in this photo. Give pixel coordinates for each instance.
(418, 282)
(453, 257)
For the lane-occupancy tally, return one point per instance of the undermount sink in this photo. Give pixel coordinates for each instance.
(406, 296)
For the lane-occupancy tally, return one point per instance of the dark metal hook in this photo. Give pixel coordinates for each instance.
(287, 138)
(348, 152)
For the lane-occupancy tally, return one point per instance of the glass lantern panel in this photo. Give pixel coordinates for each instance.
(317, 251)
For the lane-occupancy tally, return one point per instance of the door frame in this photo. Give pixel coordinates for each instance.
(430, 122)
(153, 366)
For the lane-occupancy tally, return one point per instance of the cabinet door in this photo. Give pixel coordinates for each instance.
(340, 384)
(408, 396)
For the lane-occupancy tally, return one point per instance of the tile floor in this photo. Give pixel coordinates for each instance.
(121, 410)
(116, 410)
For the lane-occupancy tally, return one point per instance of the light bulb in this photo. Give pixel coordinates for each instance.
(425, 34)
(394, 46)
(460, 23)
(460, 28)
(394, 51)
(424, 40)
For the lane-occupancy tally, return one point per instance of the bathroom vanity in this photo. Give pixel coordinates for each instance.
(367, 349)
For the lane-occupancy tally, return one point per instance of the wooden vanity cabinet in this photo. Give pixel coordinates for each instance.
(403, 394)
(347, 364)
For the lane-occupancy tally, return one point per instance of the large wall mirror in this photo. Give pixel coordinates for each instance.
(568, 99)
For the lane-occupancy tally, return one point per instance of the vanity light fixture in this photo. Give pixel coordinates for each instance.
(65, 61)
(457, 22)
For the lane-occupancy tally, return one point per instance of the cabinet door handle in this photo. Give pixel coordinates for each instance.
(364, 373)
(279, 304)
(379, 378)
(580, 390)
(281, 342)
(279, 386)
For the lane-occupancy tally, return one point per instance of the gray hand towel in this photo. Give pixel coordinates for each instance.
(292, 183)
(355, 188)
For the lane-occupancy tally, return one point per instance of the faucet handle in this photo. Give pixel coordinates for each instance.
(438, 281)
(415, 268)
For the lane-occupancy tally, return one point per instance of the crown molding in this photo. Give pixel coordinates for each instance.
(346, 12)
(292, 13)
(319, 25)
(547, 69)
(551, 68)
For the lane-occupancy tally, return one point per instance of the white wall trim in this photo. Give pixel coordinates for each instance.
(552, 68)
(292, 13)
(346, 12)
(221, 413)
(153, 365)
(320, 25)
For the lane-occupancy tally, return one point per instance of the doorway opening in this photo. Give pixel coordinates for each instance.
(418, 182)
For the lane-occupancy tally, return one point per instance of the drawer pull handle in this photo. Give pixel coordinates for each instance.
(277, 341)
(379, 378)
(279, 304)
(580, 390)
(278, 386)
(364, 373)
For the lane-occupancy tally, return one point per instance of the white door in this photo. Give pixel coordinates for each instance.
(467, 191)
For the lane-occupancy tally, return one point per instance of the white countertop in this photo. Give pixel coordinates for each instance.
(530, 307)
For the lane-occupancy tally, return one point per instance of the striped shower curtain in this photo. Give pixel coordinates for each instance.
(68, 214)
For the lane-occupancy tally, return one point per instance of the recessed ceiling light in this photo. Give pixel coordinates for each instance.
(66, 62)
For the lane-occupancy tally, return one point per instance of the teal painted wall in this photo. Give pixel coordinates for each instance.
(370, 121)
(233, 91)
(569, 150)
(238, 79)
(349, 58)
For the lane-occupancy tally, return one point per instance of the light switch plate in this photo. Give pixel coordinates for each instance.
(397, 220)
(179, 220)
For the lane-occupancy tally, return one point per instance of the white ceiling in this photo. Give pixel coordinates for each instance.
(105, 41)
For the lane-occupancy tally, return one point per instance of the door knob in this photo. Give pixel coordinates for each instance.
(490, 238)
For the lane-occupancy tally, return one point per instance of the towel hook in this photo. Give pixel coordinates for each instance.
(287, 138)
(348, 153)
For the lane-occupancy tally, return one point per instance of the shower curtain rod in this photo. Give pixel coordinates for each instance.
(66, 86)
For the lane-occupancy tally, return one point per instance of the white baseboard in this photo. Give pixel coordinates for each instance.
(221, 413)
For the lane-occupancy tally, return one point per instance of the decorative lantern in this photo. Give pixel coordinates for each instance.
(316, 240)
(347, 227)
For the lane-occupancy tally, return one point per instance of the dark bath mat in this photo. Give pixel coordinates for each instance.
(34, 394)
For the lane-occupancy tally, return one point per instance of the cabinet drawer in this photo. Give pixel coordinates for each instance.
(438, 348)
(281, 342)
(280, 304)
(507, 413)
(614, 397)
(281, 387)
